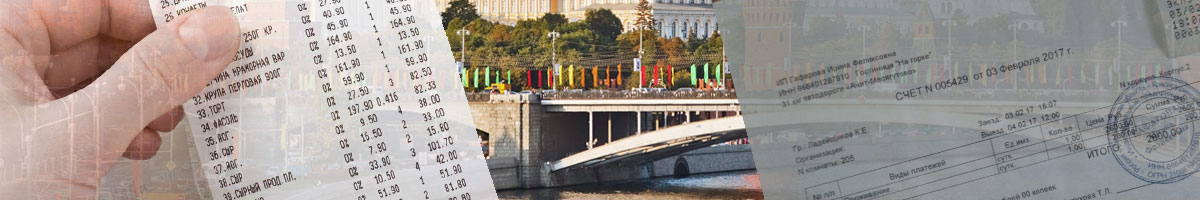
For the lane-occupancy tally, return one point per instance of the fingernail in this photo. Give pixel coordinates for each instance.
(210, 33)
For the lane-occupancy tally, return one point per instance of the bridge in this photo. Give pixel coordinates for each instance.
(566, 138)
(571, 138)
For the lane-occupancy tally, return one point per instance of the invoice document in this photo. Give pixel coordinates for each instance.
(975, 99)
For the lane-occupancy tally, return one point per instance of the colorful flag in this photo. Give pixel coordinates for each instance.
(1058, 76)
(1042, 73)
(642, 75)
(670, 75)
(694, 74)
(619, 70)
(705, 73)
(1082, 74)
(607, 76)
(656, 79)
(571, 75)
(983, 68)
(720, 81)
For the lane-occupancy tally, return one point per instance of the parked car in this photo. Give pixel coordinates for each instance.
(685, 90)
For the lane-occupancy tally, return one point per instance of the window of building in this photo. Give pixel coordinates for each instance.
(706, 31)
(683, 31)
(673, 28)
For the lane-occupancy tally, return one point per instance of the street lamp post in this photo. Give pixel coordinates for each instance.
(1014, 27)
(464, 33)
(864, 28)
(554, 52)
(949, 24)
(1119, 24)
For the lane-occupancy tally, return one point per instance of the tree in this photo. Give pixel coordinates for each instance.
(553, 20)
(645, 16)
(459, 9)
(604, 22)
(674, 49)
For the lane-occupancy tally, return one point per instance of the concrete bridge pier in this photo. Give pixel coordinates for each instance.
(525, 133)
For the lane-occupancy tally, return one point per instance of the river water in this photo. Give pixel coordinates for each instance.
(723, 185)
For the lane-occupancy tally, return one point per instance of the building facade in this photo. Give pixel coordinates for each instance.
(674, 18)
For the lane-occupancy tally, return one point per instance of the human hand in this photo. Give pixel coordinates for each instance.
(85, 82)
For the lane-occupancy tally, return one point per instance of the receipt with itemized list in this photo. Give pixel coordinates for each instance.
(977, 99)
(335, 99)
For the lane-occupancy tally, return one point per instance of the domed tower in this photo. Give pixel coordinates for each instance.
(922, 30)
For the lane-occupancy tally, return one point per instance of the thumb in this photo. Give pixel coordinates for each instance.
(158, 74)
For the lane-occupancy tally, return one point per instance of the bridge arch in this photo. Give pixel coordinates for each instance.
(681, 138)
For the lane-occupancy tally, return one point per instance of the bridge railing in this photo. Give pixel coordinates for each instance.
(478, 96)
(605, 94)
(640, 95)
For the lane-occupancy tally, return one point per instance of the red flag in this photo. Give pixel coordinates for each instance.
(642, 74)
(656, 78)
(670, 75)
(529, 78)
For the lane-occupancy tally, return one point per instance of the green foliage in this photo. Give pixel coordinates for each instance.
(596, 41)
(459, 9)
(604, 22)
(552, 21)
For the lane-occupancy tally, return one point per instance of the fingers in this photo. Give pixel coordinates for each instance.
(69, 22)
(144, 145)
(167, 122)
(128, 20)
(153, 78)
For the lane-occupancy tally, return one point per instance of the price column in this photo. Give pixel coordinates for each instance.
(438, 137)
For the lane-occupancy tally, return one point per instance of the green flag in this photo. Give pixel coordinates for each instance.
(508, 77)
(693, 72)
(464, 77)
(719, 73)
(1110, 74)
(1058, 75)
(1082, 74)
(487, 76)
(476, 78)
(705, 73)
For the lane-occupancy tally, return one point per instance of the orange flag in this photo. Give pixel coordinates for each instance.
(607, 76)
(619, 74)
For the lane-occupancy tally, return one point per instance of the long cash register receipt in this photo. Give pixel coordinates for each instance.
(335, 99)
(975, 99)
